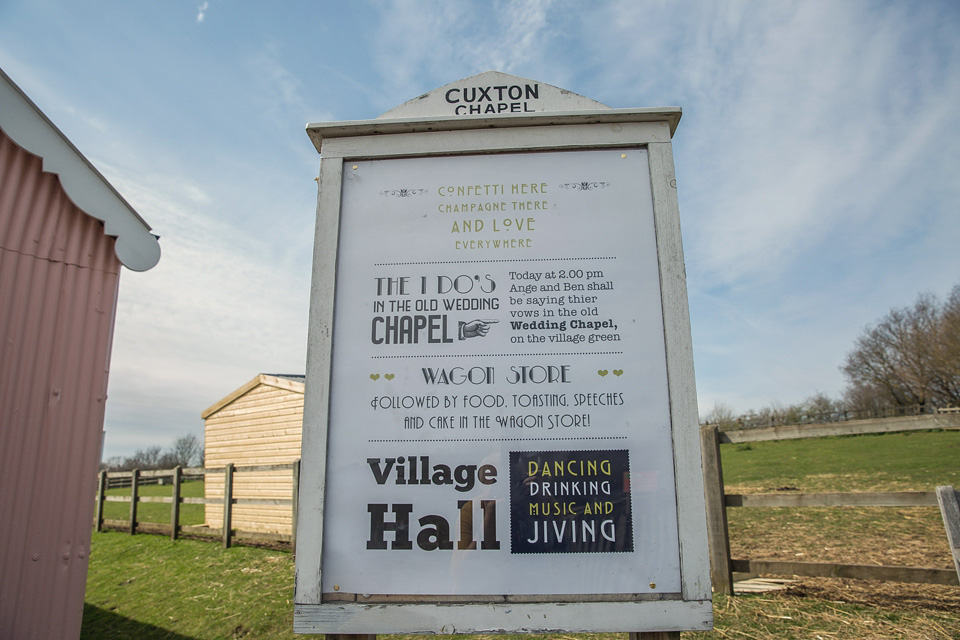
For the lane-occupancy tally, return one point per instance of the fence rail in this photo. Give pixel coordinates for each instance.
(791, 418)
(137, 478)
(722, 565)
(834, 499)
(821, 430)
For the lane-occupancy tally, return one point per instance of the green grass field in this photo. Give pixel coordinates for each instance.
(914, 460)
(148, 587)
(190, 514)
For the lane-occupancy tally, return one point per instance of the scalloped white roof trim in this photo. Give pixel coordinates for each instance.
(136, 248)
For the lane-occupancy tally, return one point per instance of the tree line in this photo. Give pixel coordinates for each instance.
(186, 451)
(906, 363)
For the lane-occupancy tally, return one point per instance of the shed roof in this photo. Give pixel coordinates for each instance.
(25, 124)
(288, 381)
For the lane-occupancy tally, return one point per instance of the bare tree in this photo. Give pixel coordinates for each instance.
(821, 408)
(722, 416)
(186, 451)
(147, 458)
(908, 358)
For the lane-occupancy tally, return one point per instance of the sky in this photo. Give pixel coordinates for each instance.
(817, 161)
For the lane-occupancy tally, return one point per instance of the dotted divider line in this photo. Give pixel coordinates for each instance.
(403, 264)
(503, 355)
(498, 439)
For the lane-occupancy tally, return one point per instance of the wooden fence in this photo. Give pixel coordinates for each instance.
(793, 418)
(722, 565)
(124, 481)
(177, 475)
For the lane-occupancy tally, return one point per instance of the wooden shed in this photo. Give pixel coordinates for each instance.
(64, 234)
(259, 424)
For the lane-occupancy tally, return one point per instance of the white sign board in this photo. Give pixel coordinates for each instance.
(500, 378)
(498, 429)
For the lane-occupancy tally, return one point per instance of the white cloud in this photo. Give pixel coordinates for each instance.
(816, 158)
(202, 11)
(419, 46)
(218, 309)
(801, 120)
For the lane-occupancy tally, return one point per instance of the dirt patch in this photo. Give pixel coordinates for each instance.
(908, 537)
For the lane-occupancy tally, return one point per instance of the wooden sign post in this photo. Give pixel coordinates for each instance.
(500, 421)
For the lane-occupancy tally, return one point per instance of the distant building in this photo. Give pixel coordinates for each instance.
(64, 232)
(258, 424)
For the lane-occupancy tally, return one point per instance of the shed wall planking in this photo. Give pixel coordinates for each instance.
(258, 424)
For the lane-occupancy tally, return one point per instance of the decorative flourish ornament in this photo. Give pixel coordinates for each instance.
(585, 186)
(403, 193)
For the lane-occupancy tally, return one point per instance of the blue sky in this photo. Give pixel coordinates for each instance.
(817, 161)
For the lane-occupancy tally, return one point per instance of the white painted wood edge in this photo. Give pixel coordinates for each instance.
(681, 380)
(321, 131)
(594, 617)
(316, 405)
(561, 138)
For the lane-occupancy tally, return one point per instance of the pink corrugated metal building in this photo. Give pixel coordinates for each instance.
(64, 232)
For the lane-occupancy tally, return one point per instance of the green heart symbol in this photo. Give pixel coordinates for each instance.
(388, 376)
(618, 372)
(374, 376)
(602, 372)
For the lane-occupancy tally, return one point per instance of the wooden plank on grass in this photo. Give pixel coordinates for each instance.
(855, 571)
(835, 499)
(949, 499)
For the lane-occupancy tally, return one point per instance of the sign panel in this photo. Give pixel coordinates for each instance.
(499, 417)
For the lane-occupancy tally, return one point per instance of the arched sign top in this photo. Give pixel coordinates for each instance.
(493, 93)
(491, 100)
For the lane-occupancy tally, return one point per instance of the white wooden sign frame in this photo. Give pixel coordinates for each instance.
(344, 142)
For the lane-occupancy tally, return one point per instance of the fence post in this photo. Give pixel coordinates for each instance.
(718, 535)
(175, 508)
(134, 479)
(296, 506)
(227, 503)
(101, 493)
(949, 500)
